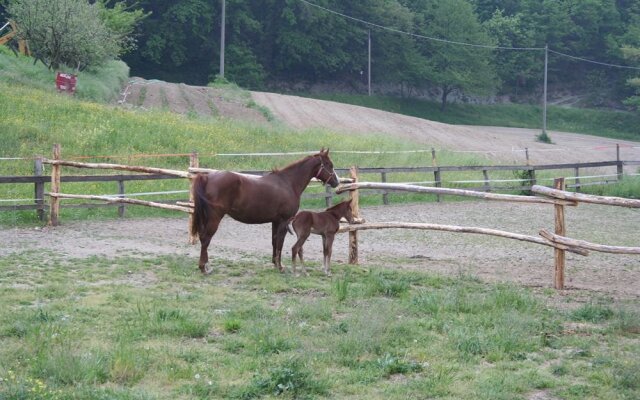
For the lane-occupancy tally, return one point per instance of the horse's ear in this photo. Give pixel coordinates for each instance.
(326, 152)
(322, 150)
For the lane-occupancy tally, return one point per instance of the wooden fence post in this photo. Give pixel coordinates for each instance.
(560, 229)
(385, 195)
(55, 188)
(577, 179)
(619, 162)
(121, 207)
(194, 162)
(436, 173)
(487, 186)
(328, 196)
(39, 188)
(355, 210)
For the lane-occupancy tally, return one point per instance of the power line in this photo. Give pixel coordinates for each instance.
(464, 43)
(593, 62)
(484, 46)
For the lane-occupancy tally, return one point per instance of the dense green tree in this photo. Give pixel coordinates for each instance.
(516, 68)
(467, 69)
(74, 32)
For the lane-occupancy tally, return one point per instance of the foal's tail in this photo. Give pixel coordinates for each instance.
(200, 205)
(290, 225)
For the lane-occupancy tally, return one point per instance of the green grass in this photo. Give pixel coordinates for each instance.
(101, 84)
(613, 124)
(86, 328)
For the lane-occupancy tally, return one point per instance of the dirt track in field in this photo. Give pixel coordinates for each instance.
(488, 258)
(501, 145)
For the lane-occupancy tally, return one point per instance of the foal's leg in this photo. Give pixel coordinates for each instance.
(297, 248)
(327, 247)
(205, 239)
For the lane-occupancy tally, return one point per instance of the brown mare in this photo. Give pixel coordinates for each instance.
(325, 223)
(274, 197)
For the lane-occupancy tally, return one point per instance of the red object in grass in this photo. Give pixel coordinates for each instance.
(66, 82)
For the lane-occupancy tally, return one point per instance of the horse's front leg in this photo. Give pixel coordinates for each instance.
(280, 230)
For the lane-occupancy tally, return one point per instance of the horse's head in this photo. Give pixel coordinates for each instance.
(325, 172)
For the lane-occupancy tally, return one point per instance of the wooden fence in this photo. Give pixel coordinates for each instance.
(557, 197)
(438, 174)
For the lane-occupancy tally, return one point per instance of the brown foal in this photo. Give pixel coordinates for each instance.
(325, 223)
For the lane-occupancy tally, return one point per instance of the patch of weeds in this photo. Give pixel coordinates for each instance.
(560, 369)
(232, 325)
(66, 365)
(172, 322)
(593, 313)
(627, 374)
(233, 346)
(543, 137)
(626, 321)
(341, 288)
(128, 365)
(202, 389)
(292, 378)
(391, 365)
(386, 284)
(141, 96)
(266, 112)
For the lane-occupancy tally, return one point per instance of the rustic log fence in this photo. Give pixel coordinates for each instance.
(527, 173)
(557, 197)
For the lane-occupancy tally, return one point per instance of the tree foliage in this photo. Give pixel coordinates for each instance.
(74, 32)
(271, 42)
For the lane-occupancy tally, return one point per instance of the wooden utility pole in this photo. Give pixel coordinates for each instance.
(222, 34)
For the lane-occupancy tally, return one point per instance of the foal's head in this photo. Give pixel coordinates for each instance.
(325, 171)
(343, 209)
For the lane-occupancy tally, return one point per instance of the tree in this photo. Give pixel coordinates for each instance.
(70, 32)
(633, 54)
(516, 68)
(454, 67)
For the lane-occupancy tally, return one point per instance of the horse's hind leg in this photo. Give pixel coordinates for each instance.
(327, 247)
(281, 232)
(205, 240)
(297, 250)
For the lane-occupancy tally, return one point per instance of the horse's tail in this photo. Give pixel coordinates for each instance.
(290, 225)
(200, 205)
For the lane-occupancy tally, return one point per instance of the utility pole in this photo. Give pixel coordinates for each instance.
(544, 100)
(369, 63)
(222, 26)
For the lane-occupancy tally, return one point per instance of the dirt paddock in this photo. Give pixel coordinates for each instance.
(490, 259)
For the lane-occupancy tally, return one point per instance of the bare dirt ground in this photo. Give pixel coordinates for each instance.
(184, 99)
(501, 144)
(490, 259)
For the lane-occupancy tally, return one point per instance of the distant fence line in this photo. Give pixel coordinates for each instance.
(432, 150)
(486, 184)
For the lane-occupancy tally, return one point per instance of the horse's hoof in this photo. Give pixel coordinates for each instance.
(205, 269)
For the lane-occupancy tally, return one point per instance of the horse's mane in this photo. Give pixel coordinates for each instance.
(276, 169)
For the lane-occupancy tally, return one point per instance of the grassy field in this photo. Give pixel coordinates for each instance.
(146, 327)
(613, 124)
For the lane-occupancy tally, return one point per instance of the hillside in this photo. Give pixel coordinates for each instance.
(505, 145)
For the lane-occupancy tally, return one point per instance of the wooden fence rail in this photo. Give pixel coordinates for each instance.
(559, 199)
(485, 184)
